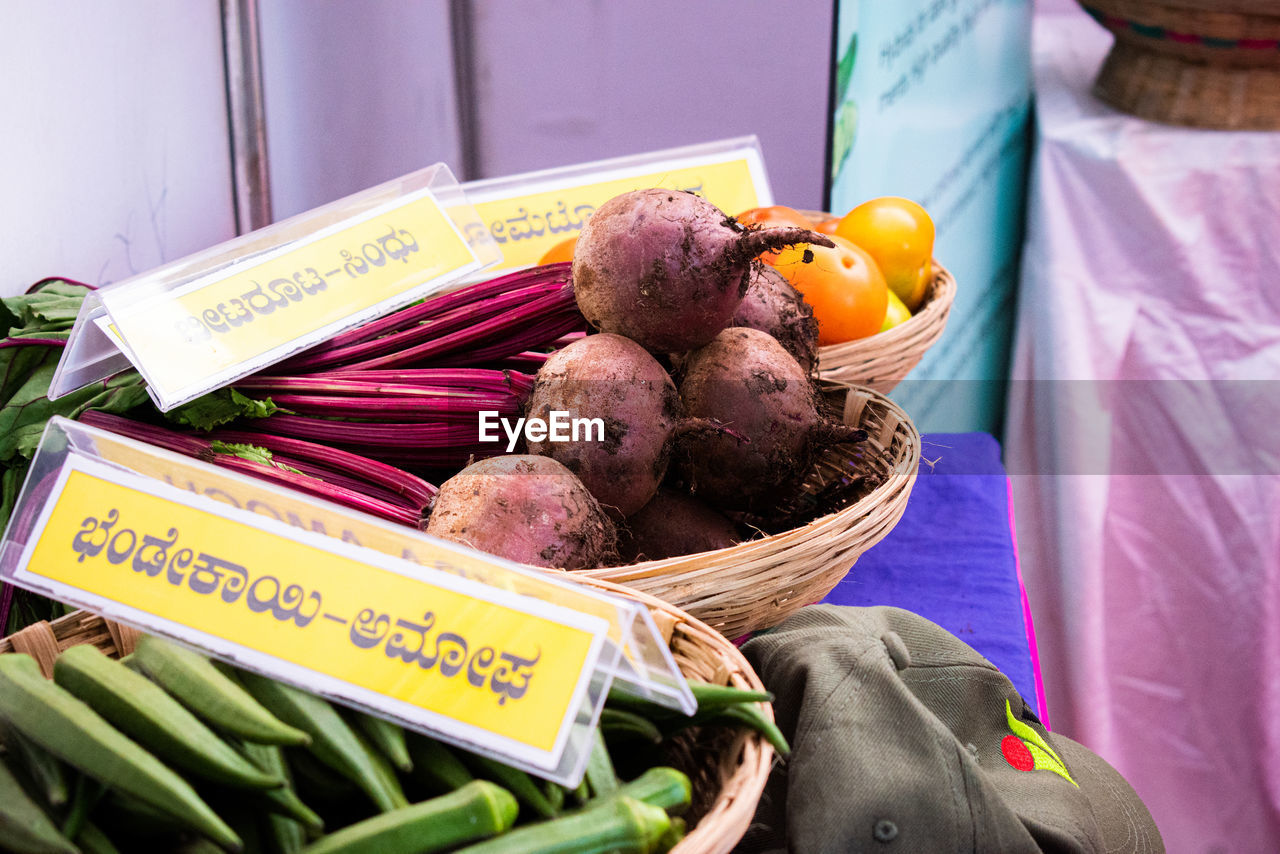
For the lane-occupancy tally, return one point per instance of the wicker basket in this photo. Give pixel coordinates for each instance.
(881, 361)
(728, 768)
(1202, 63)
(757, 584)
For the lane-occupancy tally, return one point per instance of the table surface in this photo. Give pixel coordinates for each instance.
(952, 557)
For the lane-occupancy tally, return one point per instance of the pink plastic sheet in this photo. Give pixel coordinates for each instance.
(1143, 442)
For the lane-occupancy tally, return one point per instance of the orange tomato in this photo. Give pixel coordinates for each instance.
(827, 226)
(898, 233)
(562, 251)
(843, 284)
(774, 215)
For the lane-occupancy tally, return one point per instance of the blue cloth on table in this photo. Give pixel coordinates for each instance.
(951, 557)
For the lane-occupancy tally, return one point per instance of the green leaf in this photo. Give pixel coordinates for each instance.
(220, 407)
(1042, 754)
(252, 453)
(8, 318)
(52, 307)
(844, 69)
(18, 363)
(24, 416)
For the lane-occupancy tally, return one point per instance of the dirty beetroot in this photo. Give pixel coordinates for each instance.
(526, 508)
(611, 378)
(745, 379)
(667, 268)
(773, 305)
(673, 524)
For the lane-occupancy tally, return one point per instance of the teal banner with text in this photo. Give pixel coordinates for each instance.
(932, 102)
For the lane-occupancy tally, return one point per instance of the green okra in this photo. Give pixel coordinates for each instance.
(143, 711)
(600, 775)
(386, 736)
(283, 802)
(283, 835)
(25, 828)
(206, 691)
(527, 791)
(435, 766)
(333, 742)
(386, 774)
(619, 825)
(68, 728)
(46, 773)
(629, 723)
(91, 840)
(478, 810)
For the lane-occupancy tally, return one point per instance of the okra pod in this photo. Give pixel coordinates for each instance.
(143, 711)
(66, 727)
(478, 810)
(206, 691)
(333, 742)
(25, 827)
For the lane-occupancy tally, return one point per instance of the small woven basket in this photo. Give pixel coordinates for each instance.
(759, 583)
(1201, 63)
(881, 361)
(728, 768)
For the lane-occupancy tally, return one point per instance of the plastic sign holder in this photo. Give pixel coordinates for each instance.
(527, 214)
(209, 319)
(486, 654)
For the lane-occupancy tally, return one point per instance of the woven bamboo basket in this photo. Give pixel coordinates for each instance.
(728, 768)
(1201, 63)
(759, 583)
(882, 360)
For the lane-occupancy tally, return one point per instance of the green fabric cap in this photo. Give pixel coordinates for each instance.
(904, 739)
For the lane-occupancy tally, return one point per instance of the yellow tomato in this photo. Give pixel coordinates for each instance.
(843, 284)
(897, 312)
(898, 233)
(562, 251)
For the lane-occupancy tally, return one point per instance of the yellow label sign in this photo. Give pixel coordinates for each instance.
(309, 515)
(526, 226)
(494, 663)
(207, 333)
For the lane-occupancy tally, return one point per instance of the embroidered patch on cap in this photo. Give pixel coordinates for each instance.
(1026, 750)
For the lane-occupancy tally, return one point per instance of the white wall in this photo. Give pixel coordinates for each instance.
(356, 92)
(114, 156)
(566, 82)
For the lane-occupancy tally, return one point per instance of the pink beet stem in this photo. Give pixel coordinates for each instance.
(504, 327)
(436, 305)
(460, 318)
(409, 485)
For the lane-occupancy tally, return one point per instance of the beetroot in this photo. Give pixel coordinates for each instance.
(744, 378)
(615, 380)
(773, 305)
(667, 268)
(528, 509)
(674, 524)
